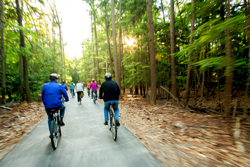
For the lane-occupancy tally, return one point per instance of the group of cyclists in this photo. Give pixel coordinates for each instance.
(53, 92)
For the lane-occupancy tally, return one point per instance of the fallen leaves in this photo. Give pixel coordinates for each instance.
(17, 123)
(178, 137)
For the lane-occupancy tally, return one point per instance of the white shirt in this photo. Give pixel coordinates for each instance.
(79, 87)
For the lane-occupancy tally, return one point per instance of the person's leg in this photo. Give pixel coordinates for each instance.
(116, 109)
(62, 111)
(106, 109)
(50, 118)
(92, 94)
(95, 93)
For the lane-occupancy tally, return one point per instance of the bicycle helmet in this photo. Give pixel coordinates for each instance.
(108, 76)
(53, 76)
(93, 80)
(63, 81)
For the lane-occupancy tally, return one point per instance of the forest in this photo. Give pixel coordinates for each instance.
(188, 52)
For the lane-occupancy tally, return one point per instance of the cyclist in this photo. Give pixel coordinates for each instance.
(94, 87)
(83, 84)
(64, 85)
(111, 92)
(88, 87)
(79, 90)
(51, 97)
(72, 86)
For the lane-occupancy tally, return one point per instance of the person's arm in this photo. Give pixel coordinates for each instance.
(65, 95)
(42, 94)
(100, 92)
(118, 89)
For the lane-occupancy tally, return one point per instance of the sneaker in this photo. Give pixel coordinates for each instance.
(106, 123)
(118, 123)
(61, 122)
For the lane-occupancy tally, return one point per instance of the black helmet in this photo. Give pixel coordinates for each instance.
(53, 76)
(108, 76)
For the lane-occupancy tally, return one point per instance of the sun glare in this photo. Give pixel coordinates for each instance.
(130, 41)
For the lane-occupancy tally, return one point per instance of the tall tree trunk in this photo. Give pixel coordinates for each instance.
(117, 76)
(229, 68)
(248, 42)
(120, 41)
(186, 98)
(93, 56)
(3, 63)
(96, 51)
(152, 52)
(25, 66)
(172, 35)
(107, 32)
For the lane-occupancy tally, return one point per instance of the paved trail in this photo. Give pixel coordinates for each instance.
(85, 141)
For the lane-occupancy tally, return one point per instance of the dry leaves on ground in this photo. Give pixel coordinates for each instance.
(17, 123)
(181, 138)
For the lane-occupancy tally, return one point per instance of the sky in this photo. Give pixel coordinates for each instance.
(75, 25)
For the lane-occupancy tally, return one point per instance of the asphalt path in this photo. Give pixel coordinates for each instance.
(85, 141)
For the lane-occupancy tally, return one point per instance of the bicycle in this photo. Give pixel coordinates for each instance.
(112, 122)
(72, 92)
(80, 94)
(55, 127)
(94, 97)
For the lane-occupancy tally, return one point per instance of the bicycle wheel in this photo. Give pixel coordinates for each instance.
(114, 128)
(54, 135)
(110, 119)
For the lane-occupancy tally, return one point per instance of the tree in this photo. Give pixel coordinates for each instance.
(229, 68)
(172, 35)
(2, 51)
(117, 75)
(152, 52)
(186, 98)
(22, 45)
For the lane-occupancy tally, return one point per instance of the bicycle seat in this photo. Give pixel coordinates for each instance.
(111, 104)
(52, 110)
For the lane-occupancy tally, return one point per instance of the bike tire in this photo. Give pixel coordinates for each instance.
(115, 128)
(110, 120)
(53, 135)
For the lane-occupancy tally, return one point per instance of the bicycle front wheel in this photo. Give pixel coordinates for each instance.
(54, 135)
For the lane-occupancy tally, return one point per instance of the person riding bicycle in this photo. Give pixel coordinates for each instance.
(111, 92)
(83, 84)
(88, 87)
(72, 87)
(94, 87)
(51, 96)
(64, 85)
(79, 90)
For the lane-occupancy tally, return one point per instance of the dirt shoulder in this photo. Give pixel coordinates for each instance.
(182, 138)
(15, 124)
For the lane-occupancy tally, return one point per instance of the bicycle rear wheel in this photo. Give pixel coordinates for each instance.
(113, 125)
(54, 135)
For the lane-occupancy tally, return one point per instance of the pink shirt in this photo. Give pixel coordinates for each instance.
(94, 86)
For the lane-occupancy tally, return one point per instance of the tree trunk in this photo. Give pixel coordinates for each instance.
(172, 35)
(117, 76)
(3, 60)
(229, 68)
(107, 32)
(93, 56)
(96, 51)
(152, 53)
(203, 75)
(25, 66)
(120, 42)
(186, 98)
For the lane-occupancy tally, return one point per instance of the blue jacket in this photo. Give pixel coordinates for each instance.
(65, 86)
(52, 93)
